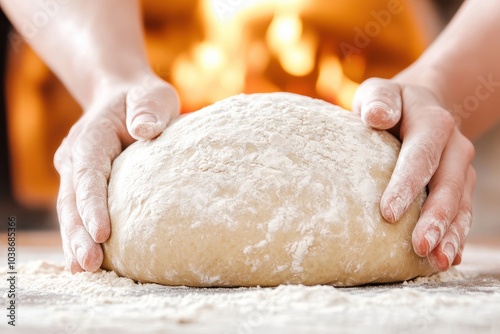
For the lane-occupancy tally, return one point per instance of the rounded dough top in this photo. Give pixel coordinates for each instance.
(260, 189)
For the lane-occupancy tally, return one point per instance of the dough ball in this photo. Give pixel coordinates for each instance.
(261, 189)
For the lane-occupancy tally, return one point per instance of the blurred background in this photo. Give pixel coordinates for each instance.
(211, 49)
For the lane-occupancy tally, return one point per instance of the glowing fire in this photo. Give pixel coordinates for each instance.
(231, 60)
(255, 46)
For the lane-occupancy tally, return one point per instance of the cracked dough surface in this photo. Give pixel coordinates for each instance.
(260, 189)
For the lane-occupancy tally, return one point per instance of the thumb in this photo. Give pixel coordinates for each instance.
(150, 108)
(378, 101)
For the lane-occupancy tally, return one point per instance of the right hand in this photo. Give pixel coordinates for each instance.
(125, 112)
(433, 153)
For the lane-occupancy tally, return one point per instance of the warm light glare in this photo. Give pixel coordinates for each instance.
(258, 57)
(233, 80)
(354, 67)
(284, 30)
(183, 72)
(346, 92)
(209, 57)
(221, 64)
(330, 76)
(298, 59)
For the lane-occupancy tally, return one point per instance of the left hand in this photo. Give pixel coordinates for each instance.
(434, 153)
(125, 112)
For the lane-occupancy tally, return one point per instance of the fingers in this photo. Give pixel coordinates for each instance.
(91, 198)
(149, 108)
(378, 101)
(449, 250)
(458, 259)
(81, 252)
(446, 189)
(84, 163)
(92, 157)
(433, 153)
(424, 135)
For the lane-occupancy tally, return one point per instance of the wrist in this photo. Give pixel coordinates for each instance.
(108, 85)
(432, 78)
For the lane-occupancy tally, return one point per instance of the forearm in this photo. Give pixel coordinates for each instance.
(463, 67)
(88, 44)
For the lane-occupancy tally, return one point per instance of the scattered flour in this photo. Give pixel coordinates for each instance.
(51, 300)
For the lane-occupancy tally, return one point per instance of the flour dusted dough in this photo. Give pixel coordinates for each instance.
(260, 189)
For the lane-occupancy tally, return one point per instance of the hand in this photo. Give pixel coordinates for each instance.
(433, 153)
(120, 115)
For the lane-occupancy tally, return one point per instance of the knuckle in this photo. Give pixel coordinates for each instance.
(90, 186)
(468, 148)
(446, 121)
(464, 219)
(62, 201)
(442, 128)
(366, 88)
(455, 235)
(84, 206)
(69, 227)
(71, 232)
(442, 215)
(61, 157)
(466, 210)
(374, 81)
(88, 175)
(428, 155)
(80, 174)
(455, 188)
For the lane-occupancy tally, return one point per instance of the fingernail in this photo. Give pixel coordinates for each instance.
(397, 206)
(80, 255)
(378, 105)
(458, 258)
(144, 118)
(432, 236)
(145, 126)
(449, 252)
(93, 230)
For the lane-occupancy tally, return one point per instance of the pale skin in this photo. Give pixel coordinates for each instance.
(425, 107)
(107, 72)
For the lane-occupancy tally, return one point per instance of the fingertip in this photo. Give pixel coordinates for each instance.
(379, 115)
(99, 225)
(393, 208)
(458, 259)
(96, 257)
(385, 210)
(102, 235)
(95, 216)
(150, 108)
(442, 257)
(379, 103)
(438, 261)
(419, 244)
(387, 214)
(427, 240)
(99, 233)
(91, 259)
(73, 266)
(145, 127)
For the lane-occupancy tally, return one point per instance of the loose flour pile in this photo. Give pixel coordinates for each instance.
(51, 300)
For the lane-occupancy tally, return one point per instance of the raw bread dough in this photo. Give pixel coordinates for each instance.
(261, 189)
